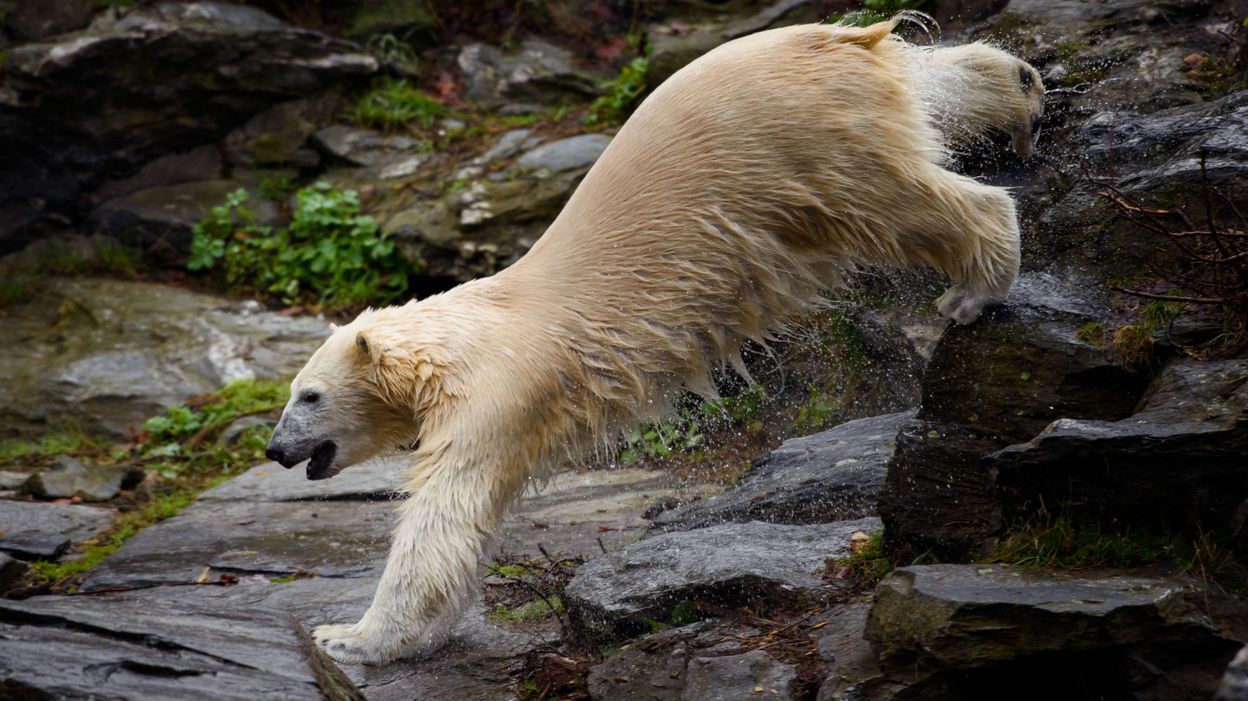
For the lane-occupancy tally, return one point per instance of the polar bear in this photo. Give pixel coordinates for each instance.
(756, 176)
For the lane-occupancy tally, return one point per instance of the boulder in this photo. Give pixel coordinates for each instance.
(160, 219)
(537, 72)
(108, 354)
(203, 163)
(34, 530)
(834, 475)
(68, 478)
(957, 631)
(34, 21)
(278, 136)
(1183, 453)
(730, 677)
(386, 157)
(164, 73)
(12, 571)
(618, 594)
(996, 382)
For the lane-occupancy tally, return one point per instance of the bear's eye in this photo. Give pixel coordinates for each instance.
(310, 396)
(1025, 78)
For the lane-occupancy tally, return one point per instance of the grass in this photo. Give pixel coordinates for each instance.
(866, 564)
(1064, 544)
(1092, 333)
(178, 447)
(19, 284)
(1134, 344)
(393, 103)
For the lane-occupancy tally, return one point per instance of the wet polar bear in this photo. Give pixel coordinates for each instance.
(753, 178)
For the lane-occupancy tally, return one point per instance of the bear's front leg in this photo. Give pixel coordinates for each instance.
(430, 572)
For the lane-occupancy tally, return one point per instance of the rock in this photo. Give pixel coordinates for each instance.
(996, 382)
(70, 478)
(12, 571)
(573, 153)
(12, 480)
(954, 631)
(375, 480)
(1195, 415)
(365, 147)
(1151, 156)
(280, 539)
(34, 21)
(1235, 681)
(483, 224)
(108, 354)
(160, 219)
(153, 644)
(213, 63)
(853, 669)
(614, 595)
(649, 669)
(199, 164)
(278, 136)
(830, 476)
(750, 675)
(537, 72)
(32, 530)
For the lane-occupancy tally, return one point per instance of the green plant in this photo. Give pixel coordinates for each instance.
(660, 439)
(1092, 333)
(1134, 343)
(393, 102)
(815, 413)
(276, 188)
(329, 254)
(533, 612)
(394, 50)
(866, 564)
(60, 442)
(620, 94)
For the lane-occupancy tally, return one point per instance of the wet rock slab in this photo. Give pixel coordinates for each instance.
(70, 478)
(34, 530)
(830, 476)
(999, 381)
(1187, 444)
(956, 630)
(730, 564)
(123, 351)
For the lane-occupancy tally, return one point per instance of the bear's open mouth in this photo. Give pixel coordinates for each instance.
(321, 461)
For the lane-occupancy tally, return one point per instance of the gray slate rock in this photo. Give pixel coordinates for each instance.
(150, 645)
(996, 382)
(830, 476)
(365, 147)
(213, 63)
(537, 72)
(572, 153)
(734, 677)
(944, 629)
(331, 539)
(68, 477)
(616, 594)
(35, 530)
(162, 218)
(1187, 445)
(11, 572)
(375, 480)
(128, 350)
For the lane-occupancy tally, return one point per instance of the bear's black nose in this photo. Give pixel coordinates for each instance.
(275, 454)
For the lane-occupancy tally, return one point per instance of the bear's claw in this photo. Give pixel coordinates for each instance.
(964, 305)
(349, 644)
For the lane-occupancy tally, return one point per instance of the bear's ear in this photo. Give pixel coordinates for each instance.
(402, 377)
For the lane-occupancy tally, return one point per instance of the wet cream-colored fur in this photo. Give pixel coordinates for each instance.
(756, 176)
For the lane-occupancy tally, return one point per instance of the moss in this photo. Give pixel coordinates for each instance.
(1092, 333)
(866, 564)
(63, 441)
(535, 611)
(1134, 344)
(157, 510)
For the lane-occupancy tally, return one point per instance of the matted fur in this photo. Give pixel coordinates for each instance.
(756, 176)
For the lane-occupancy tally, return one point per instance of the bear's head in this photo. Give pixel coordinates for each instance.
(362, 393)
(1013, 97)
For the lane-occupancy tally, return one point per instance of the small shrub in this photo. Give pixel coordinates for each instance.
(621, 94)
(392, 103)
(330, 254)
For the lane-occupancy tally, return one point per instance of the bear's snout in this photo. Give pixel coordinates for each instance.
(276, 454)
